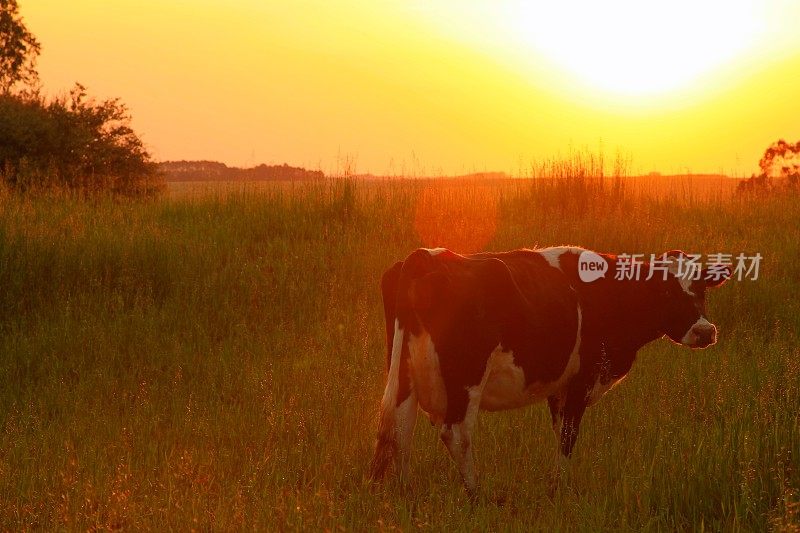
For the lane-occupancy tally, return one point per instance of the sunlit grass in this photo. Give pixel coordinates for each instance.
(216, 360)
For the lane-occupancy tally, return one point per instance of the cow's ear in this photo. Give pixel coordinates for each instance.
(716, 274)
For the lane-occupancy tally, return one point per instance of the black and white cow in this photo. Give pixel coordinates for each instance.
(496, 331)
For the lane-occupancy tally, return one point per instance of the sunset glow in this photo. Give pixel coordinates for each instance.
(422, 87)
(631, 47)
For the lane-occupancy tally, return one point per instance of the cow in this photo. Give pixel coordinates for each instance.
(498, 331)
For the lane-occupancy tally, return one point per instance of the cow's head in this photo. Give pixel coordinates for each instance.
(683, 300)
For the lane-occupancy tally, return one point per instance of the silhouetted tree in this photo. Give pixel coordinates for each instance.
(780, 160)
(18, 49)
(783, 156)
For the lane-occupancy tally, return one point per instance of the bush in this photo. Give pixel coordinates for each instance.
(780, 171)
(73, 143)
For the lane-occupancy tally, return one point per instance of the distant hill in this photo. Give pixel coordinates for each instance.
(463, 177)
(215, 171)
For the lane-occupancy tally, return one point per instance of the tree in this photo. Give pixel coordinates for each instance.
(781, 157)
(780, 170)
(18, 49)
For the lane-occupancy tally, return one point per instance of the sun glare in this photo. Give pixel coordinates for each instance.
(626, 47)
(629, 46)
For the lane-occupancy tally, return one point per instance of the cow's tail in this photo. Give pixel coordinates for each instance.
(404, 294)
(386, 445)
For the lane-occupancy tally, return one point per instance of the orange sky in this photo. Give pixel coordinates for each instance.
(426, 86)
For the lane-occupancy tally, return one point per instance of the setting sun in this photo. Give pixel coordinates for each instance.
(633, 47)
(622, 47)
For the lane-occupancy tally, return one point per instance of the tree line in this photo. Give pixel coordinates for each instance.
(215, 171)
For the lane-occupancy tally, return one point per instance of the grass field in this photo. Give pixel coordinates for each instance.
(216, 361)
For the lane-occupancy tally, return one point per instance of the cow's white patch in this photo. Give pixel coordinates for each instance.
(426, 375)
(505, 384)
(690, 338)
(553, 254)
(436, 251)
(685, 278)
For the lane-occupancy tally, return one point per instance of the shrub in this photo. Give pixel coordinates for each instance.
(780, 171)
(74, 143)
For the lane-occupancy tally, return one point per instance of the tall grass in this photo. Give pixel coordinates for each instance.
(215, 361)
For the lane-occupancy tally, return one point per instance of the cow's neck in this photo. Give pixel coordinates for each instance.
(636, 317)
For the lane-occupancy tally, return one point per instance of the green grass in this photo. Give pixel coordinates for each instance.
(216, 361)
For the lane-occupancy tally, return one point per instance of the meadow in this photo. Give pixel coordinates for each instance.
(214, 360)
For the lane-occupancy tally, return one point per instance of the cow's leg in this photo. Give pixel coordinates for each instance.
(556, 405)
(458, 439)
(574, 407)
(566, 411)
(456, 434)
(405, 420)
